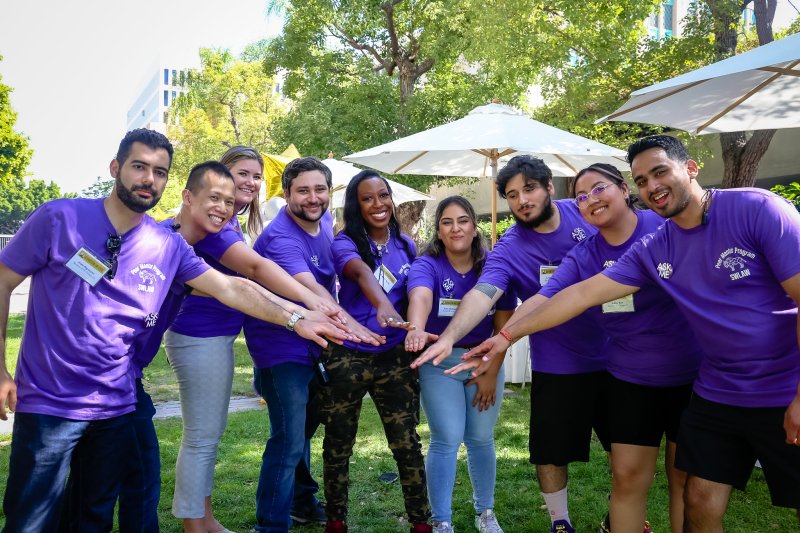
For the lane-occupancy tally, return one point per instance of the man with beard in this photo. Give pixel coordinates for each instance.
(568, 363)
(299, 240)
(731, 261)
(101, 270)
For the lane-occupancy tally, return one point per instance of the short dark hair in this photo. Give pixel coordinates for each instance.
(673, 147)
(304, 164)
(149, 138)
(197, 176)
(531, 168)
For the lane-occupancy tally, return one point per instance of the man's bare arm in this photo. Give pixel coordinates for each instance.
(9, 280)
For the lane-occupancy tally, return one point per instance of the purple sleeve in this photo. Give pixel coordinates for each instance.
(344, 249)
(630, 269)
(566, 274)
(216, 244)
(190, 266)
(507, 302)
(422, 274)
(497, 269)
(777, 230)
(287, 253)
(29, 248)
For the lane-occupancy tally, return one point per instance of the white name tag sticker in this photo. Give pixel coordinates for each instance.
(620, 305)
(545, 273)
(448, 306)
(87, 266)
(385, 278)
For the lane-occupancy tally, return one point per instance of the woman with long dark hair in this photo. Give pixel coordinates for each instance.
(458, 408)
(372, 258)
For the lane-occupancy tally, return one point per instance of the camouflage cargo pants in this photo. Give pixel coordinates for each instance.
(394, 388)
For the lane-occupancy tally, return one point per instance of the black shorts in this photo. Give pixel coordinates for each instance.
(642, 414)
(721, 443)
(564, 409)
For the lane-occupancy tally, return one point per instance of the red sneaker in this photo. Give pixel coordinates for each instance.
(422, 527)
(335, 526)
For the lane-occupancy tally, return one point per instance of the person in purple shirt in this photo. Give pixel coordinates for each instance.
(207, 206)
(299, 240)
(372, 258)
(100, 271)
(458, 409)
(652, 356)
(730, 259)
(570, 358)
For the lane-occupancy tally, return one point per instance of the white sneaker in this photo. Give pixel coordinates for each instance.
(443, 527)
(486, 522)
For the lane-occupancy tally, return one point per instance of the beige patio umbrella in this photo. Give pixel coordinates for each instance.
(479, 143)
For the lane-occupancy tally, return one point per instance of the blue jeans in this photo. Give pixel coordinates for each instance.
(285, 477)
(452, 420)
(44, 449)
(141, 485)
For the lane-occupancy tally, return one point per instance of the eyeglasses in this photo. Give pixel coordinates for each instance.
(594, 193)
(113, 245)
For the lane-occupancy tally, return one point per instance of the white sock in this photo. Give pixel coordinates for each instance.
(557, 505)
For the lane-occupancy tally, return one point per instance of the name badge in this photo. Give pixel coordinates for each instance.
(448, 306)
(545, 273)
(87, 266)
(620, 305)
(385, 278)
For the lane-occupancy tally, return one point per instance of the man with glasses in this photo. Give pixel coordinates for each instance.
(731, 261)
(569, 362)
(100, 272)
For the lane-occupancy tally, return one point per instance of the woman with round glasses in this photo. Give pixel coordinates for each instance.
(458, 409)
(652, 355)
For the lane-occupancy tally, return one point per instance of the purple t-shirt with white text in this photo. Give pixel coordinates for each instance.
(295, 251)
(726, 278)
(398, 261)
(75, 356)
(201, 316)
(520, 262)
(438, 275)
(650, 342)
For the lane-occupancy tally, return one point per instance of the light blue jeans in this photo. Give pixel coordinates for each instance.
(452, 420)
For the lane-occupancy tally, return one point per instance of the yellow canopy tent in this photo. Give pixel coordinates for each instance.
(273, 170)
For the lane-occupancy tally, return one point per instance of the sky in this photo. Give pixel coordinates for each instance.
(76, 67)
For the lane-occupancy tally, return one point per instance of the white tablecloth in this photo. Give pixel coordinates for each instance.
(518, 362)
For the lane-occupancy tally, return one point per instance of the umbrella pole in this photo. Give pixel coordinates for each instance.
(493, 163)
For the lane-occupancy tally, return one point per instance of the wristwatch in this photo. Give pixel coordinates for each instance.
(293, 320)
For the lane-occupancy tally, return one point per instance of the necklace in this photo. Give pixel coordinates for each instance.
(706, 202)
(382, 247)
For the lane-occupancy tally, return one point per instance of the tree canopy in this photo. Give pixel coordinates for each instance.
(17, 198)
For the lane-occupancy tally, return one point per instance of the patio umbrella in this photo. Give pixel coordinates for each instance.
(475, 144)
(342, 172)
(756, 90)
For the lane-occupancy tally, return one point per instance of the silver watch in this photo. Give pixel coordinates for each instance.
(293, 320)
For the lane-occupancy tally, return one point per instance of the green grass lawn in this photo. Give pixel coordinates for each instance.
(377, 507)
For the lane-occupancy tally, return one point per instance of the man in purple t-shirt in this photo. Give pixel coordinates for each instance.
(731, 261)
(100, 271)
(569, 358)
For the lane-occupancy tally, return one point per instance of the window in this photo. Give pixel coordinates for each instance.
(174, 75)
(166, 98)
(668, 16)
(166, 76)
(174, 94)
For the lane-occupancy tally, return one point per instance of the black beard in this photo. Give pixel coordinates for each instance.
(301, 214)
(544, 216)
(133, 202)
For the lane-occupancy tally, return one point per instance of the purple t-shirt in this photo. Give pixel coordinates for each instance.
(295, 251)
(522, 260)
(398, 263)
(650, 342)
(146, 346)
(449, 287)
(725, 276)
(74, 360)
(201, 316)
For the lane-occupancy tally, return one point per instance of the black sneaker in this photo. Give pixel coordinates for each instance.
(313, 511)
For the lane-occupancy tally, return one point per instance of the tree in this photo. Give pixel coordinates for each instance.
(99, 189)
(228, 102)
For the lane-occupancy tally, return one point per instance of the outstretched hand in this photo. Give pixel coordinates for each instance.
(489, 348)
(417, 339)
(315, 331)
(437, 352)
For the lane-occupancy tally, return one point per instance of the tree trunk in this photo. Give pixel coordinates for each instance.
(741, 155)
(409, 214)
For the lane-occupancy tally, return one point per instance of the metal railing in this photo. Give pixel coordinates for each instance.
(4, 240)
